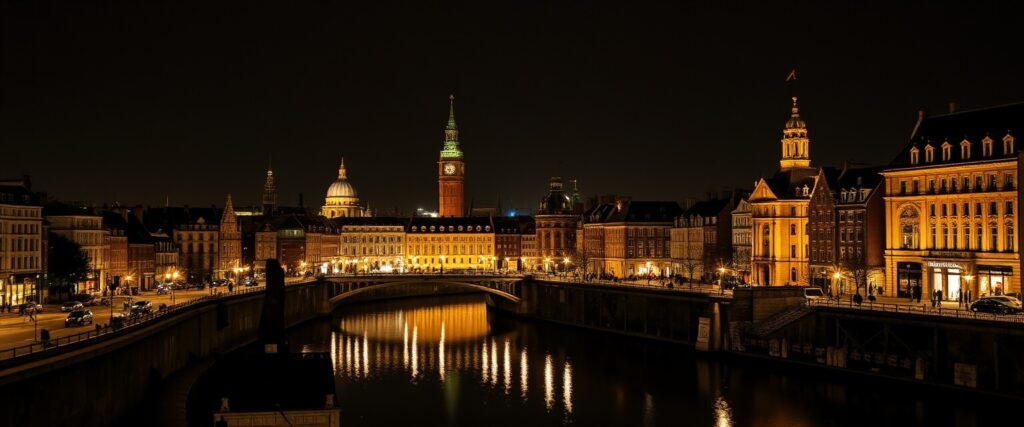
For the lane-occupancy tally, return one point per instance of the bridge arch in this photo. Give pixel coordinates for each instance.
(371, 286)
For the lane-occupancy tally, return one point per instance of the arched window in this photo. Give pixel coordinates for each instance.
(965, 150)
(929, 153)
(766, 238)
(909, 223)
(986, 147)
(947, 151)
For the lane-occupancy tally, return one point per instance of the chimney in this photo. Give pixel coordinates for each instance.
(953, 107)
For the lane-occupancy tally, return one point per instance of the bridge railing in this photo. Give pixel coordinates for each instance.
(707, 289)
(915, 310)
(130, 323)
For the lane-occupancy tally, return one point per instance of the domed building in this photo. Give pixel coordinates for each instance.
(556, 226)
(342, 200)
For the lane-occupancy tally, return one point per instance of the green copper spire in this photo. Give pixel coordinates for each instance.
(451, 134)
(451, 113)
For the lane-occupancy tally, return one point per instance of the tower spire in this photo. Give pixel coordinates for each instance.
(795, 143)
(451, 112)
(341, 169)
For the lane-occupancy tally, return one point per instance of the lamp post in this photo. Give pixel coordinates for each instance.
(547, 260)
(835, 280)
(968, 278)
(565, 266)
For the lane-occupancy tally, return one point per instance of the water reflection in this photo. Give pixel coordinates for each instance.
(455, 364)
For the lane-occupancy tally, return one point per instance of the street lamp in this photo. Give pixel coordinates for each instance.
(547, 260)
(968, 278)
(721, 274)
(565, 266)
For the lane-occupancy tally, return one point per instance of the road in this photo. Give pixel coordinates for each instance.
(18, 330)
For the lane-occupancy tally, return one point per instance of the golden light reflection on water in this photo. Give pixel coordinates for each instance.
(440, 340)
(723, 413)
(549, 386)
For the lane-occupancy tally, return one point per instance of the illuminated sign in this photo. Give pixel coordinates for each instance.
(935, 264)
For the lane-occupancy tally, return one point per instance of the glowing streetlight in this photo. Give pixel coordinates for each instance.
(442, 264)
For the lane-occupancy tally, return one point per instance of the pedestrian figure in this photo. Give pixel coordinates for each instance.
(857, 298)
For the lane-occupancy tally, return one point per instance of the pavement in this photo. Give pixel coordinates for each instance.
(18, 330)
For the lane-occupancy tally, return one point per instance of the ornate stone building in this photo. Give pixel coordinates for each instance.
(371, 244)
(556, 222)
(741, 238)
(628, 238)
(22, 242)
(778, 207)
(342, 200)
(702, 236)
(454, 243)
(451, 170)
(84, 227)
(230, 239)
(951, 205)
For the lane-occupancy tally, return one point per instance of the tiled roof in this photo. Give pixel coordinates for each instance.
(634, 211)
(972, 125)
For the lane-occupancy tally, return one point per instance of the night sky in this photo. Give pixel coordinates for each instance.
(135, 103)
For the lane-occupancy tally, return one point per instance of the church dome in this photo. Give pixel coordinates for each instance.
(341, 187)
(556, 202)
(795, 122)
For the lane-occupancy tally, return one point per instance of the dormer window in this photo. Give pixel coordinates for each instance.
(929, 153)
(1008, 144)
(986, 147)
(947, 151)
(914, 156)
(965, 150)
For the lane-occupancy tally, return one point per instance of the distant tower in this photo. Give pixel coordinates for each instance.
(269, 192)
(795, 144)
(451, 170)
(230, 241)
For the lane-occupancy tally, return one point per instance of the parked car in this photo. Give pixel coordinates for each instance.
(249, 282)
(994, 305)
(163, 289)
(78, 318)
(30, 308)
(1005, 299)
(140, 307)
(219, 282)
(812, 294)
(71, 306)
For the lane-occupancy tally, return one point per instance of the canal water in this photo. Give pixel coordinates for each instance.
(451, 362)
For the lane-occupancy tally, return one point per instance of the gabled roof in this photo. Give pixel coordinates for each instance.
(707, 208)
(972, 125)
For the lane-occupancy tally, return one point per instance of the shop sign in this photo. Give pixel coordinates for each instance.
(938, 264)
(949, 254)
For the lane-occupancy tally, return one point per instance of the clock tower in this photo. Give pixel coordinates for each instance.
(451, 170)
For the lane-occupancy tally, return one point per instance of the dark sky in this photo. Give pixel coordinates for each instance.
(139, 102)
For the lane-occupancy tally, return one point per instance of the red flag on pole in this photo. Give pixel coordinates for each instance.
(792, 75)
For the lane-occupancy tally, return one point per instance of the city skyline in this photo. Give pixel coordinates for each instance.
(627, 105)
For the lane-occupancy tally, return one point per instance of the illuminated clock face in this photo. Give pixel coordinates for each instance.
(449, 169)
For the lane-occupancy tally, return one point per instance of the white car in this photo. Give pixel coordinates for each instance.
(813, 294)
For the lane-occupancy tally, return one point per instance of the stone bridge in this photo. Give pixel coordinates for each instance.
(344, 287)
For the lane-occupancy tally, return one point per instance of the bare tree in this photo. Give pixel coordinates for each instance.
(581, 259)
(691, 265)
(858, 271)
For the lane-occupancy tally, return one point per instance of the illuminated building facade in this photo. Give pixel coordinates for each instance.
(230, 239)
(115, 244)
(508, 241)
(556, 223)
(629, 238)
(951, 205)
(779, 206)
(342, 200)
(196, 233)
(702, 238)
(741, 238)
(451, 170)
(371, 244)
(84, 227)
(22, 242)
(450, 243)
(269, 197)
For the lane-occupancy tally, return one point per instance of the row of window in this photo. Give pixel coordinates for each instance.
(950, 209)
(949, 237)
(19, 244)
(21, 213)
(965, 150)
(449, 249)
(22, 228)
(962, 184)
(376, 250)
(19, 263)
